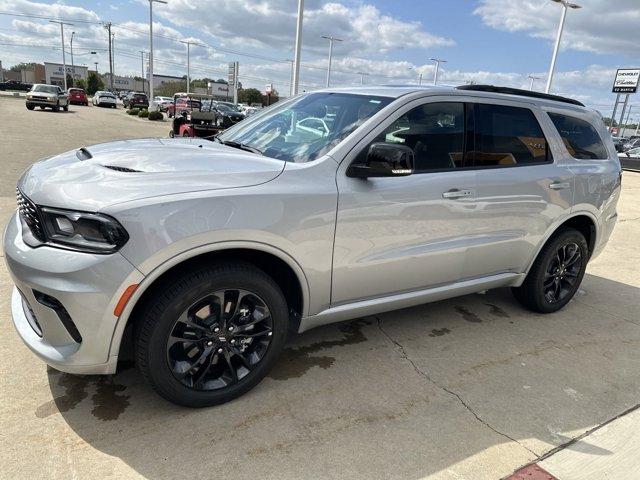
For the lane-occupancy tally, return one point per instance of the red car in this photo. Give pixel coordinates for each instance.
(78, 96)
(181, 105)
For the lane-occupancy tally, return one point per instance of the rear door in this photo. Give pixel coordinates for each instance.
(522, 188)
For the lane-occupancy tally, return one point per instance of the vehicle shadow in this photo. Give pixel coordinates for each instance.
(402, 395)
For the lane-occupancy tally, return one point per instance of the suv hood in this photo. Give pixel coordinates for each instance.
(95, 177)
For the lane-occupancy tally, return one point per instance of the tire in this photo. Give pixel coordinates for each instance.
(186, 133)
(66, 108)
(30, 107)
(556, 274)
(168, 363)
(41, 107)
(56, 108)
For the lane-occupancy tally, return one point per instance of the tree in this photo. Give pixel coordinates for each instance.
(69, 80)
(250, 96)
(23, 66)
(608, 122)
(80, 84)
(169, 89)
(94, 83)
(221, 80)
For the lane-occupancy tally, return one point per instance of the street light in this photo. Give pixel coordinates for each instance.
(188, 44)
(296, 58)
(151, 45)
(331, 40)
(362, 75)
(64, 62)
(73, 68)
(435, 74)
(565, 6)
(533, 79)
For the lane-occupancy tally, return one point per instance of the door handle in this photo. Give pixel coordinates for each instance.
(559, 185)
(456, 193)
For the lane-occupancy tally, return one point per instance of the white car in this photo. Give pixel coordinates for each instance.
(633, 153)
(104, 99)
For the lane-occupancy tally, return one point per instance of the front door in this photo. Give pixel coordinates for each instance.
(401, 234)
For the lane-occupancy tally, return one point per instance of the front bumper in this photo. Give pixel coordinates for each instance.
(87, 286)
(42, 103)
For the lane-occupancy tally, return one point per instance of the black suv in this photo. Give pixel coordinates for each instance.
(136, 100)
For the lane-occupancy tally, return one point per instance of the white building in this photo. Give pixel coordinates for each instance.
(220, 90)
(54, 73)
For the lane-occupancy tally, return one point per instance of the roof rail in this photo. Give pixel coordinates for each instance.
(520, 92)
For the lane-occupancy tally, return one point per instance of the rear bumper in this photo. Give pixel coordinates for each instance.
(87, 286)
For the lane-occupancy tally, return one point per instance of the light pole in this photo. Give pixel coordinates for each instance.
(565, 6)
(73, 68)
(188, 44)
(331, 40)
(292, 75)
(151, 45)
(64, 62)
(435, 74)
(296, 57)
(533, 79)
(96, 64)
(362, 75)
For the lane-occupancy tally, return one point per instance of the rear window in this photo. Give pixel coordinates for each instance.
(580, 138)
(508, 136)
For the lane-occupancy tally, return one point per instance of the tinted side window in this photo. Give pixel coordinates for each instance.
(435, 133)
(508, 136)
(580, 138)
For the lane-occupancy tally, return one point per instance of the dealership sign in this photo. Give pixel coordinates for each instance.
(626, 80)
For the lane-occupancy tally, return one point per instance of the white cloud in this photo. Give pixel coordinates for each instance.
(600, 26)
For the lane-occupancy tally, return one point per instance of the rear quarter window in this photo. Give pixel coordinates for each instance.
(580, 138)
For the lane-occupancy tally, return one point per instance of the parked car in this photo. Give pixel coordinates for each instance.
(160, 103)
(629, 144)
(104, 99)
(15, 85)
(123, 93)
(210, 253)
(633, 153)
(47, 96)
(136, 99)
(618, 142)
(230, 116)
(77, 96)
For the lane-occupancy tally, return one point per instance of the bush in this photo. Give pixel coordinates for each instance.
(133, 111)
(155, 116)
(143, 113)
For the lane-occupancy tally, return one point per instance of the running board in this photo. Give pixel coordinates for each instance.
(372, 306)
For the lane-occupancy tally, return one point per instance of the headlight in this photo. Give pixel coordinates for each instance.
(86, 232)
(29, 97)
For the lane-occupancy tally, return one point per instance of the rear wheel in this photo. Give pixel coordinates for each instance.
(212, 334)
(556, 274)
(66, 108)
(31, 107)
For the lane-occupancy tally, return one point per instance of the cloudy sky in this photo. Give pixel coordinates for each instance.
(486, 41)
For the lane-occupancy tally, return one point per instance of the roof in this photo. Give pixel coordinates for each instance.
(489, 91)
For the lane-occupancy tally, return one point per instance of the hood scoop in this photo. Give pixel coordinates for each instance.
(122, 169)
(83, 154)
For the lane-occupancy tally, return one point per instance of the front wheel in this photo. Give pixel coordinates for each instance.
(212, 334)
(30, 107)
(556, 274)
(66, 108)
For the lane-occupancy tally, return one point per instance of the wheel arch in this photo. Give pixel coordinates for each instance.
(582, 221)
(280, 266)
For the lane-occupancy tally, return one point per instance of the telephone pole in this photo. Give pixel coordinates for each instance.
(73, 68)
(331, 39)
(142, 68)
(188, 44)
(64, 62)
(151, 45)
(108, 27)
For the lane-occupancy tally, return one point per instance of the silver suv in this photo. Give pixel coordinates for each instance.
(328, 206)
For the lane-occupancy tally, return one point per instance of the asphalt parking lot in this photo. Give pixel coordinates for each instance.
(469, 388)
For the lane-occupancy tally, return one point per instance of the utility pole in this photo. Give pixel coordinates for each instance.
(108, 28)
(435, 74)
(151, 45)
(420, 79)
(188, 44)
(64, 62)
(142, 68)
(292, 75)
(296, 58)
(331, 40)
(565, 6)
(533, 79)
(362, 75)
(626, 122)
(73, 67)
(96, 64)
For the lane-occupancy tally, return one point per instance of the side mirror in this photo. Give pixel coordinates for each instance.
(384, 160)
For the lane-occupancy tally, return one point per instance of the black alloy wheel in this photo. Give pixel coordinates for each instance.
(556, 274)
(211, 334)
(219, 339)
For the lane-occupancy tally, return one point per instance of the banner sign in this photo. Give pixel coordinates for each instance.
(626, 80)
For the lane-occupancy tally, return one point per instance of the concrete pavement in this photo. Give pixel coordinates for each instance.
(469, 388)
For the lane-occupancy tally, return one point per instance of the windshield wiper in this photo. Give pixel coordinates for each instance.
(240, 146)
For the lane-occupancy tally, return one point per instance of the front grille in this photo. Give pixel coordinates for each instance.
(29, 213)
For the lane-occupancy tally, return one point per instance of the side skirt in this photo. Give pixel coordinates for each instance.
(397, 301)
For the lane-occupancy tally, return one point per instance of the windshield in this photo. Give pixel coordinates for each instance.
(307, 127)
(45, 88)
(223, 108)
